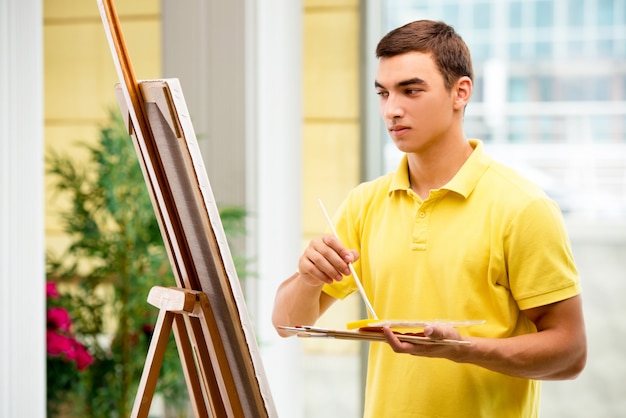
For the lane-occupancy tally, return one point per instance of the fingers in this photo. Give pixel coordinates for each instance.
(435, 332)
(326, 260)
(397, 345)
(441, 332)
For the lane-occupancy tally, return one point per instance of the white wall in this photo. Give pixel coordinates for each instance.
(22, 275)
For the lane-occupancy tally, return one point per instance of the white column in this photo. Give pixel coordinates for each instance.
(22, 271)
(274, 136)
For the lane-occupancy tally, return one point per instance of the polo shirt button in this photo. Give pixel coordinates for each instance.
(421, 214)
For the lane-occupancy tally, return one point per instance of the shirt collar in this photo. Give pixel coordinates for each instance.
(463, 181)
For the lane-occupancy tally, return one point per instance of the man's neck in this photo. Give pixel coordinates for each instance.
(435, 167)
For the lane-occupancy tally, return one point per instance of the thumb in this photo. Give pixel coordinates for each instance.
(441, 332)
(434, 332)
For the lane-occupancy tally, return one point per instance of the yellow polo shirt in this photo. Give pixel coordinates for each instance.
(485, 246)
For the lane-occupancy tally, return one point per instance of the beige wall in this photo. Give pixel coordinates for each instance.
(79, 76)
(331, 107)
(331, 154)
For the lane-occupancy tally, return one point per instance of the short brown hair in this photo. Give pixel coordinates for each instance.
(449, 51)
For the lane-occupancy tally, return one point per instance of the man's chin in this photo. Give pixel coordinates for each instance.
(403, 146)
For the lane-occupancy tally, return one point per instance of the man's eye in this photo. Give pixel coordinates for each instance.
(413, 91)
(382, 93)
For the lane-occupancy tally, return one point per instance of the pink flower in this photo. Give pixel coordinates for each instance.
(51, 290)
(68, 348)
(59, 318)
(82, 356)
(60, 341)
(58, 344)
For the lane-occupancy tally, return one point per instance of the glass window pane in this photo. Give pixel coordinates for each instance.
(575, 12)
(518, 89)
(451, 15)
(518, 129)
(575, 49)
(601, 128)
(475, 127)
(601, 88)
(515, 14)
(482, 15)
(515, 51)
(477, 93)
(480, 51)
(605, 12)
(545, 85)
(572, 89)
(604, 47)
(543, 50)
(546, 128)
(544, 14)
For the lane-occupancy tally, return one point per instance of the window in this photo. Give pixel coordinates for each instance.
(451, 14)
(575, 12)
(515, 14)
(544, 14)
(518, 89)
(543, 50)
(604, 48)
(605, 12)
(600, 89)
(482, 15)
(545, 86)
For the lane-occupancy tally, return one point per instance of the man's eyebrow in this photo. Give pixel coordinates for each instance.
(414, 80)
(403, 83)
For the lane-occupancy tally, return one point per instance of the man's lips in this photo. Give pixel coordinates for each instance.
(398, 130)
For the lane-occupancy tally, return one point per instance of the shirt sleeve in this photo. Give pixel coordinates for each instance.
(541, 265)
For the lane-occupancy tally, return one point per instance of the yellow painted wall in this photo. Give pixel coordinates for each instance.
(79, 77)
(331, 131)
(331, 107)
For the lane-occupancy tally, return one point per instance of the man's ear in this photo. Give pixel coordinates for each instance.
(463, 92)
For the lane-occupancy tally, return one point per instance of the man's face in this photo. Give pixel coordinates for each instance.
(415, 105)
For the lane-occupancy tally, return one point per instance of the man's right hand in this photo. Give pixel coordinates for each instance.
(325, 260)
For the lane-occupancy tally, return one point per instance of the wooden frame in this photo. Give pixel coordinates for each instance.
(206, 311)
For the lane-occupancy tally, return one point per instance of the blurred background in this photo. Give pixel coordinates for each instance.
(282, 100)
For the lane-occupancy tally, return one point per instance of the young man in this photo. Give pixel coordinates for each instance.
(450, 234)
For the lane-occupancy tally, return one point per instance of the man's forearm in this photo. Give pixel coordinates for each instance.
(557, 351)
(296, 303)
(543, 356)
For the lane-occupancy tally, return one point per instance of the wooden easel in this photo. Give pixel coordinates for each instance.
(205, 311)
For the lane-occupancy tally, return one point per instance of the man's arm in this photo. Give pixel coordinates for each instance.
(557, 351)
(299, 299)
(299, 303)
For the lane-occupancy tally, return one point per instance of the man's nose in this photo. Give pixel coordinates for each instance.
(392, 107)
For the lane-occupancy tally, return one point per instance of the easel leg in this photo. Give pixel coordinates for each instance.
(190, 370)
(152, 368)
(215, 395)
